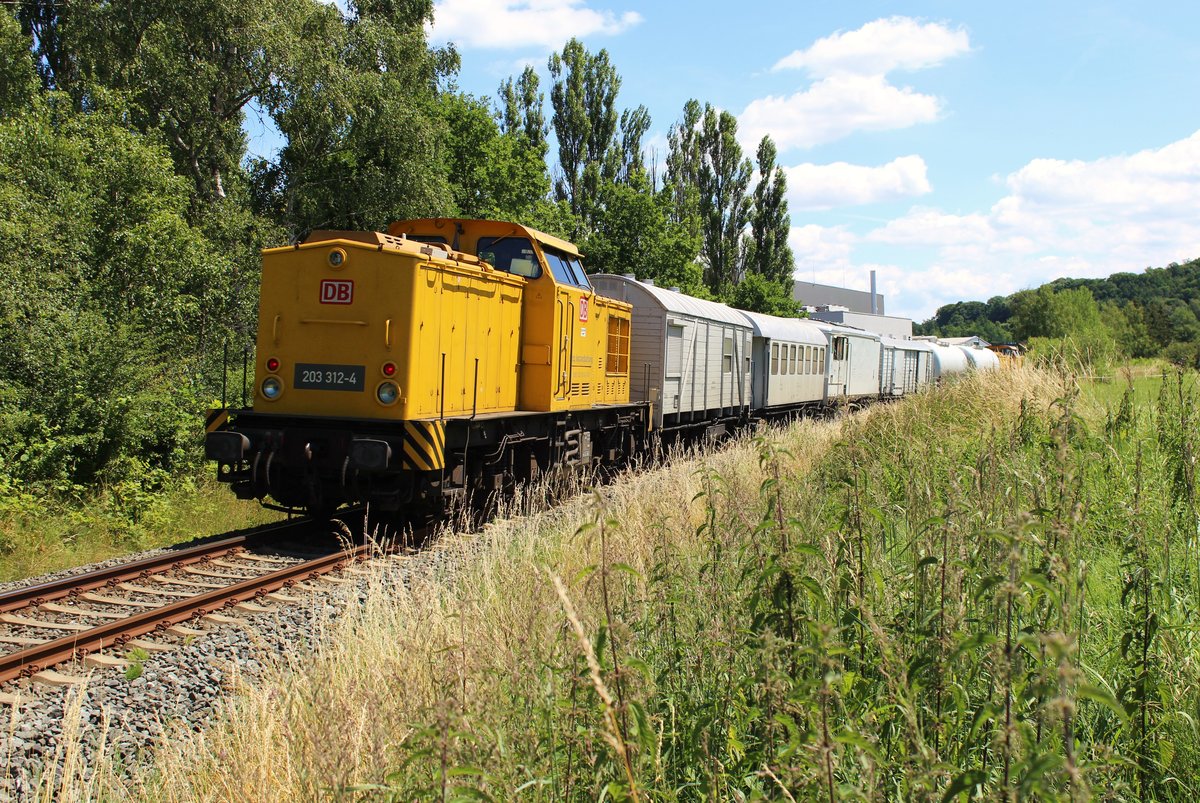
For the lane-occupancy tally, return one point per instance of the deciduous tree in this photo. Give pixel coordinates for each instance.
(724, 207)
(585, 124)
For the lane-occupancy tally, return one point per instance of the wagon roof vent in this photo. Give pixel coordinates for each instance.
(629, 276)
(649, 282)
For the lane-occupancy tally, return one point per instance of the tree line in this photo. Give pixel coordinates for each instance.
(1149, 314)
(133, 213)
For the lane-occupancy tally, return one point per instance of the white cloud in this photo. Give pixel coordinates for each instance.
(877, 48)
(1060, 218)
(851, 91)
(820, 248)
(923, 226)
(813, 186)
(834, 108)
(511, 24)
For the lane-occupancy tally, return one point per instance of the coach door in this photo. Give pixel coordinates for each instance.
(839, 365)
(673, 373)
(912, 367)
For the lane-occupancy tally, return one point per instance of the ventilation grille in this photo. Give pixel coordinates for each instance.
(581, 389)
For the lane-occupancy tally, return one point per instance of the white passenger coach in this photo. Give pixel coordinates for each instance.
(789, 362)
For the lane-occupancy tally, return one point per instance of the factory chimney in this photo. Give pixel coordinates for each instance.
(874, 301)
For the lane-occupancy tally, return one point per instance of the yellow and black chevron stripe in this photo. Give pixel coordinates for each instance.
(214, 419)
(424, 445)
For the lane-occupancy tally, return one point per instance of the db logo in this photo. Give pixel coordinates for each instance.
(337, 291)
(583, 309)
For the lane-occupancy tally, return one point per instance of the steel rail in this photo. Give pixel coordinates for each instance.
(90, 581)
(41, 656)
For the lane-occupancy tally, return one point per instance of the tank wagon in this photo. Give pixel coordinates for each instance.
(453, 357)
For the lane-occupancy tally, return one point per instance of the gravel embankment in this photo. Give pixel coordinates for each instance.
(176, 687)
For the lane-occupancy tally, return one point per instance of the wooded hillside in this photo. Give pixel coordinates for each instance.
(1127, 314)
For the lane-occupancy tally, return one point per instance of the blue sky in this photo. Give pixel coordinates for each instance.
(962, 150)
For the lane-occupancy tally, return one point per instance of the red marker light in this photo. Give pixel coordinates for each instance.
(272, 364)
(389, 369)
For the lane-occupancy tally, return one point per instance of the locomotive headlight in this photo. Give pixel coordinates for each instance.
(387, 393)
(337, 258)
(271, 388)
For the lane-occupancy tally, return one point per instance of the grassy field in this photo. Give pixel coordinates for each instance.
(987, 591)
(39, 536)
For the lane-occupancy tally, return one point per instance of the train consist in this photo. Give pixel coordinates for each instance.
(449, 358)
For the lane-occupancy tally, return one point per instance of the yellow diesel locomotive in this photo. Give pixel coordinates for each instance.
(445, 357)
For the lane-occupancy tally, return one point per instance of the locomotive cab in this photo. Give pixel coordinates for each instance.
(574, 351)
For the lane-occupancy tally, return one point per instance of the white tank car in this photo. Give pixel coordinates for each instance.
(948, 360)
(981, 359)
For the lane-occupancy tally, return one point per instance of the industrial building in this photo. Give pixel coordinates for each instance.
(850, 308)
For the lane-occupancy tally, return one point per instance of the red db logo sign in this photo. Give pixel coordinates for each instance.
(583, 309)
(337, 291)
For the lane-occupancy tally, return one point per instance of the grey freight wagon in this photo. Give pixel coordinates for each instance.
(688, 356)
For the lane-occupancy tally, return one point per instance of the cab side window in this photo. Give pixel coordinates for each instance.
(567, 269)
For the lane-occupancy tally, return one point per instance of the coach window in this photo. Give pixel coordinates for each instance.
(793, 368)
(822, 361)
(808, 359)
(727, 356)
(774, 359)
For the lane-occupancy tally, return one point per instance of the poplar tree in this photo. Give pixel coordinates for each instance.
(724, 206)
(585, 123)
(521, 115)
(682, 180)
(767, 251)
(630, 158)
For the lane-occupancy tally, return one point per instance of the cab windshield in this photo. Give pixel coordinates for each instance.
(510, 254)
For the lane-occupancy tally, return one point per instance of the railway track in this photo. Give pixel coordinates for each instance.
(88, 616)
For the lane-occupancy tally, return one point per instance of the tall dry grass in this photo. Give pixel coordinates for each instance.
(951, 595)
